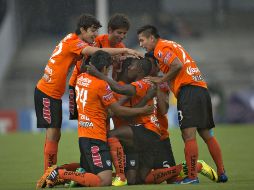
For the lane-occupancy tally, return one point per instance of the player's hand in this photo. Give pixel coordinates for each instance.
(155, 80)
(90, 69)
(134, 53)
(148, 109)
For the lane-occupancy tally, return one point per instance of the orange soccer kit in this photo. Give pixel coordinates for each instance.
(53, 82)
(165, 52)
(93, 98)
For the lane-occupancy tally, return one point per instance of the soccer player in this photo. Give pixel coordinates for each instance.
(193, 99)
(118, 27)
(51, 87)
(94, 96)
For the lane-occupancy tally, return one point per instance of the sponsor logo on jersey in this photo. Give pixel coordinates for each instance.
(86, 124)
(84, 81)
(167, 57)
(108, 97)
(192, 71)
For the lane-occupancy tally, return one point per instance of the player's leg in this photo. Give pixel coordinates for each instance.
(49, 116)
(123, 134)
(210, 140)
(189, 118)
(131, 165)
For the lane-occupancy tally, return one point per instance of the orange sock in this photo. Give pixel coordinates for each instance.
(215, 151)
(191, 157)
(159, 175)
(116, 151)
(50, 153)
(70, 167)
(85, 179)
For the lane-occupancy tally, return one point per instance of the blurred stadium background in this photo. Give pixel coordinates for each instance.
(217, 33)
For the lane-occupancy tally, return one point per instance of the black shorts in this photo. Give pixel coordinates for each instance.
(194, 108)
(165, 157)
(72, 104)
(94, 155)
(131, 159)
(48, 110)
(145, 143)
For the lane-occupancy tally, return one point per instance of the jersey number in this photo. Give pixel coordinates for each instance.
(57, 51)
(81, 96)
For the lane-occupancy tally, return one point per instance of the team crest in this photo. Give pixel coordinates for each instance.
(108, 162)
(159, 54)
(132, 162)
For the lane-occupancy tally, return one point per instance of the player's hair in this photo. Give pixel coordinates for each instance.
(85, 21)
(118, 21)
(146, 65)
(101, 59)
(148, 30)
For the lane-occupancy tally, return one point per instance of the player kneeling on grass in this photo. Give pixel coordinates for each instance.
(94, 96)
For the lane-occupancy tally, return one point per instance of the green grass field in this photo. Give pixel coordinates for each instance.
(21, 159)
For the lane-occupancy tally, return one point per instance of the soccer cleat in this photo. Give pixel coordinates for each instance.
(58, 181)
(208, 171)
(189, 181)
(73, 183)
(41, 183)
(222, 178)
(53, 178)
(117, 181)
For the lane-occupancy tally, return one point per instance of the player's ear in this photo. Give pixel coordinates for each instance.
(110, 30)
(82, 29)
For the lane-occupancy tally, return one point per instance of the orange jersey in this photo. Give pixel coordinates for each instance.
(149, 121)
(93, 96)
(66, 54)
(119, 121)
(165, 52)
(102, 41)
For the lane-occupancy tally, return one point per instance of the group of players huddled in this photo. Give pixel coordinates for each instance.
(135, 97)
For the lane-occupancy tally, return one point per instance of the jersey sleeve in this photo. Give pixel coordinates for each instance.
(106, 95)
(166, 55)
(77, 46)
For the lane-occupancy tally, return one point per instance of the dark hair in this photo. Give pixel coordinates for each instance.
(101, 59)
(85, 21)
(146, 65)
(148, 30)
(151, 55)
(118, 21)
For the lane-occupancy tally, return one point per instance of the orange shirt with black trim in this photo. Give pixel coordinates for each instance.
(163, 119)
(93, 96)
(149, 121)
(165, 52)
(66, 54)
(119, 121)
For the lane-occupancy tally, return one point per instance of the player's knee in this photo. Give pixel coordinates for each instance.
(53, 134)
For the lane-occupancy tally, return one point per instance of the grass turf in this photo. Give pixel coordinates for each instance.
(21, 159)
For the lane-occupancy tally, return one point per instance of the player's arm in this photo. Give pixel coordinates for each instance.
(89, 50)
(175, 67)
(162, 101)
(150, 94)
(128, 89)
(129, 112)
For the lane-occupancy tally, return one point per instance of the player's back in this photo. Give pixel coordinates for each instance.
(166, 51)
(66, 54)
(93, 96)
